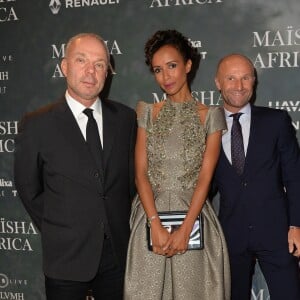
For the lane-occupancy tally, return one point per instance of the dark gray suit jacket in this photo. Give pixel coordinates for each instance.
(69, 199)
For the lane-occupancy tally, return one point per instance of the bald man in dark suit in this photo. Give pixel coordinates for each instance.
(76, 185)
(259, 186)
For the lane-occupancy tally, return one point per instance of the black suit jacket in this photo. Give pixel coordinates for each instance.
(69, 199)
(264, 201)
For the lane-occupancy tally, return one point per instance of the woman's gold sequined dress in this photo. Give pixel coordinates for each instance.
(175, 147)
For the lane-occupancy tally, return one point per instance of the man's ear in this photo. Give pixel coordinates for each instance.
(64, 66)
(217, 83)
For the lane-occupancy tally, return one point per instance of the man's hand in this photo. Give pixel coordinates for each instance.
(294, 240)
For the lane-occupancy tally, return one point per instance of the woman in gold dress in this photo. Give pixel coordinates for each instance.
(177, 149)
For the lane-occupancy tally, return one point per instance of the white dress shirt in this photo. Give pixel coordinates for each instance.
(77, 109)
(245, 120)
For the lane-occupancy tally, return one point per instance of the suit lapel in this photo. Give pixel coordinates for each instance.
(224, 158)
(226, 163)
(252, 144)
(110, 127)
(72, 134)
(70, 128)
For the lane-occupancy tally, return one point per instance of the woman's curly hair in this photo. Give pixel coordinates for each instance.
(178, 41)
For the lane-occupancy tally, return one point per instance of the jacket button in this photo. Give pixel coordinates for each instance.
(245, 184)
(96, 175)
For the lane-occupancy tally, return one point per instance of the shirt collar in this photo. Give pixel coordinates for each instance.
(245, 110)
(77, 108)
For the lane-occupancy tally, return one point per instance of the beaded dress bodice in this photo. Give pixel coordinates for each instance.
(175, 144)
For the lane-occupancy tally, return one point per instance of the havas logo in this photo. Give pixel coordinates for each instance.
(55, 6)
(289, 105)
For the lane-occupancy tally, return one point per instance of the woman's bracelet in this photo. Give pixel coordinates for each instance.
(149, 220)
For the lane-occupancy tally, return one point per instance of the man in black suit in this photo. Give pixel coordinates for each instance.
(259, 186)
(78, 194)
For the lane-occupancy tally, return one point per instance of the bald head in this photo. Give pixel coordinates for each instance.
(235, 79)
(234, 58)
(79, 36)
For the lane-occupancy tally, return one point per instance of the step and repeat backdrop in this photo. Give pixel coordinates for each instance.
(33, 34)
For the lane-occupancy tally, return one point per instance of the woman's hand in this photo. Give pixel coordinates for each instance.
(178, 241)
(159, 236)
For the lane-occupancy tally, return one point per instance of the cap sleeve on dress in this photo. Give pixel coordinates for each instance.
(143, 111)
(215, 120)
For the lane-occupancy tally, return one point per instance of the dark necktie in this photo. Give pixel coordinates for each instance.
(93, 137)
(237, 144)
